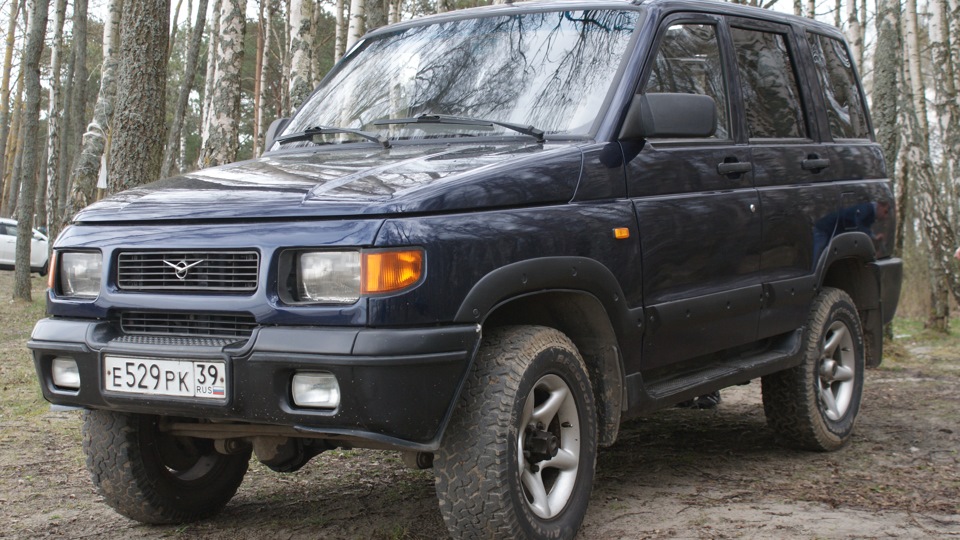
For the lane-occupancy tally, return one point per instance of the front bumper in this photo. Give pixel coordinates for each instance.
(398, 387)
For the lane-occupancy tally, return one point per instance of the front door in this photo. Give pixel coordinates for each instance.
(698, 211)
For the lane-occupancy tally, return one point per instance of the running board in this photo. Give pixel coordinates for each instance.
(715, 373)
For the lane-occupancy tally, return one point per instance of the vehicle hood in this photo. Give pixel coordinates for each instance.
(319, 182)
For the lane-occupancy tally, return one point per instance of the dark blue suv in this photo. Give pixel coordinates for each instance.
(486, 239)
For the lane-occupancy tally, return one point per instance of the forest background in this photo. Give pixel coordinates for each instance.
(202, 80)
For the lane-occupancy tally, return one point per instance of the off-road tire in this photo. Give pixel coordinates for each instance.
(478, 466)
(127, 467)
(792, 398)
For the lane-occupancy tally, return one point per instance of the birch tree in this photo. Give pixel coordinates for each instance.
(172, 149)
(30, 118)
(301, 44)
(911, 37)
(86, 169)
(340, 39)
(264, 114)
(258, 74)
(213, 41)
(887, 60)
(946, 104)
(854, 32)
(224, 127)
(393, 12)
(54, 122)
(356, 27)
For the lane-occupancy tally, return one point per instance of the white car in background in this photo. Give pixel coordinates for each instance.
(8, 247)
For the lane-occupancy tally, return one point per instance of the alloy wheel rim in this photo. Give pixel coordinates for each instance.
(836, 371)
(548, 446)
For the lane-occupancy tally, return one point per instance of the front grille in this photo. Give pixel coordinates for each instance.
(209, 325)
(175, 341)
(208, 271)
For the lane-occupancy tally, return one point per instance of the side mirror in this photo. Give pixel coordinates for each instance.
(275, 127)
(670, 115)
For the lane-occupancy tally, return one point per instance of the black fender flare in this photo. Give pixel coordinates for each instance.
(550, 274)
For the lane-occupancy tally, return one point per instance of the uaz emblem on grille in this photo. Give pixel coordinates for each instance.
(182, 268)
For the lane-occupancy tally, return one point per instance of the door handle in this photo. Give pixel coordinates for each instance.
(736, 167)
(815, 163)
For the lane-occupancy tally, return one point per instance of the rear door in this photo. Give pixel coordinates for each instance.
(791, 171)
(696, 206)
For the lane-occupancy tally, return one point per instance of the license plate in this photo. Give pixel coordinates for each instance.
(162, 377)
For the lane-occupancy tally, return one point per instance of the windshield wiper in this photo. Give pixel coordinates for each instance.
(462, 121)
(311, 132)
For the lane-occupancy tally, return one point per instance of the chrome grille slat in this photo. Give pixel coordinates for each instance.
(215, 271)
(206, 325)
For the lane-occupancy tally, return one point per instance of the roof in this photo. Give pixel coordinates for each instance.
(666, 6)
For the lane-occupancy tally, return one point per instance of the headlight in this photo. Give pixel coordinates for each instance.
(342, 277)
(329, 277)
(80, 273)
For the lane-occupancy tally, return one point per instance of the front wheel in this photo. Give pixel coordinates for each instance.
(518, 458)
(815, 405)
(153, 477)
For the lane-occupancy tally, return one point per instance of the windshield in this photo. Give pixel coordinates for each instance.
(549, 70)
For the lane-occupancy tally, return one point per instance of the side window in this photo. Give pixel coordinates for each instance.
(841, 93)
(9, 230)
(688, 62)
(769, 86)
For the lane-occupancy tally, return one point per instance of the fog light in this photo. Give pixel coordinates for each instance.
(319, 390)
(65, 373)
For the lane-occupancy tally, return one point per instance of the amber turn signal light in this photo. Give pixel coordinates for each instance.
(52, 270)
(391, 271)
(621, 233)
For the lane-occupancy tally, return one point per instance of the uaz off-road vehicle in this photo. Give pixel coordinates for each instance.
(485, 240)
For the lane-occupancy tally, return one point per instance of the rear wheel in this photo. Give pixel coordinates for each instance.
(153, 477)
(815, 404)
(518, 457)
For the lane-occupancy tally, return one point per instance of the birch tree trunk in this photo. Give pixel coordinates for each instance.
(136, 149)
(887, 59)
(355, 30)
(264, 113)
(54, 118)
(855, 32)
(286, 60)
(224, 128)
(340, 38)
(31, 126)
(393, 14)
(920, 169)
(946, 105)
(811, 9)
(258, 76)
(5, 88)
(941, 236)
(317, 62)
(915, 67)
(172, 149)
(86, 169)
(301, 43)
(798, 8)
(213, 42)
